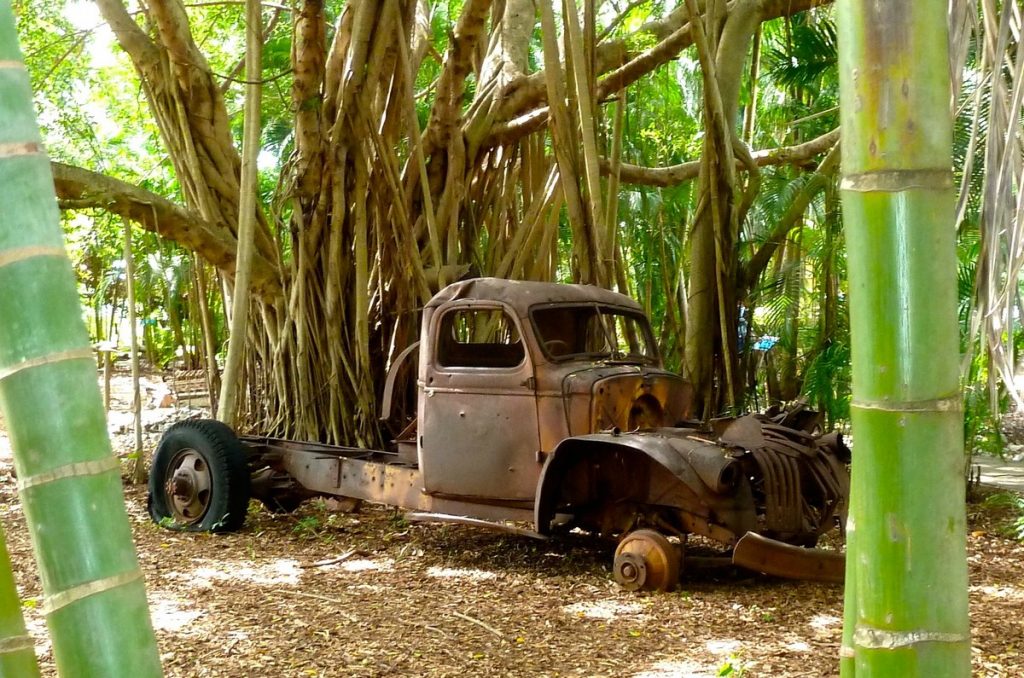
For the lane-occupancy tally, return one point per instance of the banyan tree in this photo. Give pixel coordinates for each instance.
(508, 164)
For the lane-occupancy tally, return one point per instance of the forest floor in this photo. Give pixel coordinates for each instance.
(325, 593)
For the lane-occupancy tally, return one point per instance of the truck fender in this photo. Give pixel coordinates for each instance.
(706, 469)
(389, 383)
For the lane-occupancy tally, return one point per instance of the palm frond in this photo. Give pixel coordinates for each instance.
(806, 60)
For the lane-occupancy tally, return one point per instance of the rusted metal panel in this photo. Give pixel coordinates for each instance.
(630, 401)
(522, 295)
(680, 472)
(761, 554)
(314, 472)
(781, 488)
(395, 484)
(803, 482)
(552, 421)
(468, 410)
(587, 398)
(504, 527)
(466, 448)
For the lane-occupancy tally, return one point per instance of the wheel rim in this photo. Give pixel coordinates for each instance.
(188, 486)
(630, 571)
(646, 560)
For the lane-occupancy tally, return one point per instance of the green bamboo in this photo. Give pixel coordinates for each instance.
(906, 595)
(17, 656)
(68, 478)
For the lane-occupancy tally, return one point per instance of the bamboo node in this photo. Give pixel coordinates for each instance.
(16, 644)
(49, 359)
(879, 639)
(22, 253)
(951, 404)
(82, 468)
(20, 148)
(74, 594)
(889, 181)
(12, 65)
(847, 652)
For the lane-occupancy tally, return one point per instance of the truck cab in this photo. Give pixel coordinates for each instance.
(509, 369)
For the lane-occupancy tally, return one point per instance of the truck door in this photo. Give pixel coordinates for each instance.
(478, 414)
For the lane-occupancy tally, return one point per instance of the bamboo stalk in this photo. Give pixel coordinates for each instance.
(69, 480)
(906, 573)
(17, 656)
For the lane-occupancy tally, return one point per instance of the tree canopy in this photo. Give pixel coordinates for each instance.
(405, 144)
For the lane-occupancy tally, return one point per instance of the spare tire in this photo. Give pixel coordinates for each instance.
(199, 480)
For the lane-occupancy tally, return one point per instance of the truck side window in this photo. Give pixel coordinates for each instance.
(479, 338)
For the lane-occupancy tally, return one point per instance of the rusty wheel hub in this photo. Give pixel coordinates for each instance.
(188, 486)
(630, 571)
(646, 560)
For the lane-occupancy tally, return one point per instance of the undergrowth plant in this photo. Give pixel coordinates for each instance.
(731, 667)
(1014, 503)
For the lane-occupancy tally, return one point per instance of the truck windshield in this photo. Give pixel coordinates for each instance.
(594, 332)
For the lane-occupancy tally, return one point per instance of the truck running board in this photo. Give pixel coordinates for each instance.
(761, 554)
(419, 517)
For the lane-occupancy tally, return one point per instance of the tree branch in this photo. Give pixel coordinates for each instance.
(79, 188)
(130, 36)
(459, 62)
(673, 175)
(622, 66)
(764, 253)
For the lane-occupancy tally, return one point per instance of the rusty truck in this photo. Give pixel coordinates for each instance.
(541, 408)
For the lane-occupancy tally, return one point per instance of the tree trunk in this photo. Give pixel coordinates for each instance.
(711, 330)
(209, 330)
(108, 374)
(139, 467)
(509, 58)
(750, 115)
(95, 600)
(227, 409)
(565, 139)
(789, 346)
(906, 575)
(380, 215)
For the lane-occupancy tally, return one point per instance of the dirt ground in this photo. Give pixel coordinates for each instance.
(325, 593)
